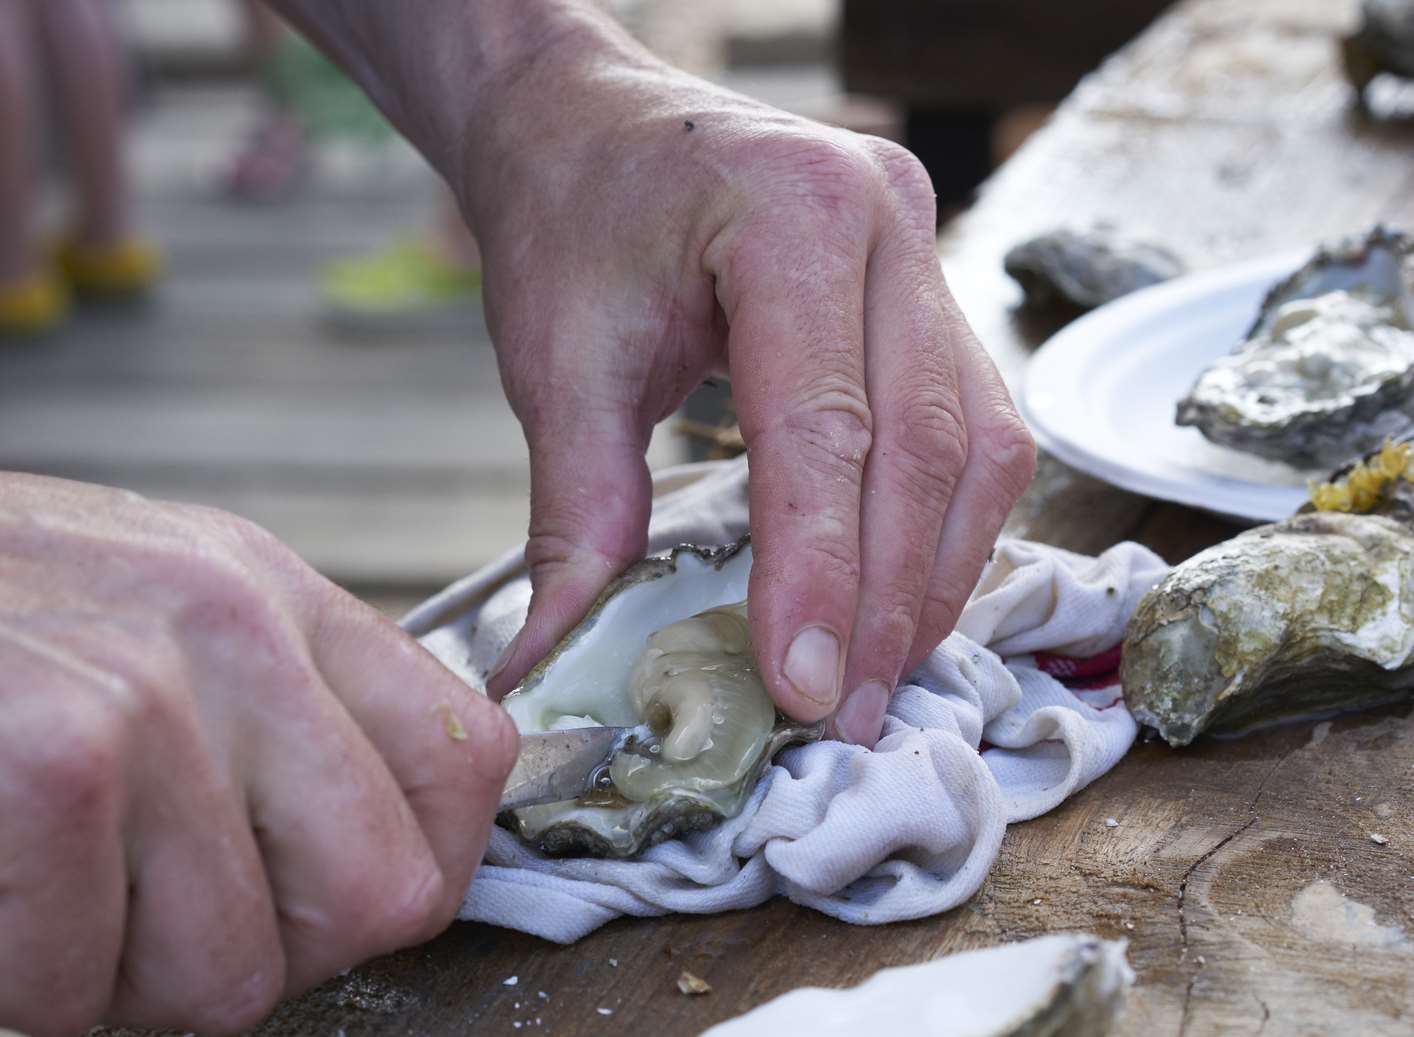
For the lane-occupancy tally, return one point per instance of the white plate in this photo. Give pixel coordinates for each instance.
(1100, 394)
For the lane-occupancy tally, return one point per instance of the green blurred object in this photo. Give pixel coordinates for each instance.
(399, 286)
(316, 91)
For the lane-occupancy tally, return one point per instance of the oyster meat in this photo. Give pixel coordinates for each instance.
(1383, 45)
(1297, 619)
(1087, 268)
(668, 645)
(1327, 370)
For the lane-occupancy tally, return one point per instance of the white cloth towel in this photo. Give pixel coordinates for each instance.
(978, 736)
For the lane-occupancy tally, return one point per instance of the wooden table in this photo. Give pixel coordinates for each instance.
(1240, 871)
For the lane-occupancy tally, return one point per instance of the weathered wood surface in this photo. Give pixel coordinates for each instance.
(1242, 873)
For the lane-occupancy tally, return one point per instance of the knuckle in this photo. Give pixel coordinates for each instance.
(234, 1004)
(833, 562)
(418, 908)
(947, 592)
(379, 908)
(931, 446)
(828, 173)
(833, 428)
(75, 761)
(892, 623)
(229, 554)
(905, 174)
(271, 554)
(1009, 454)
(567, 536)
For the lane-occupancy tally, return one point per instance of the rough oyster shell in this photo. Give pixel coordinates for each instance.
(1087, 269)
(1308, 616)
(1327, 371)
(1062, 985)
(1384, 43)
(666, 644)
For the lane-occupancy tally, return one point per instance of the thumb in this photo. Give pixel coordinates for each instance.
(590, 494)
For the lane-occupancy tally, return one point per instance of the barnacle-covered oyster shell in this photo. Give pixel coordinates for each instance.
(668, 645)
(1301, 618)
(1327, 371)
(1384, 44)
(1087, 268)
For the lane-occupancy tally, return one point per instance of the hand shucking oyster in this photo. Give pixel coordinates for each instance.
(1327, 370)
(1087, 268)
(1305, 617)
(667, 644)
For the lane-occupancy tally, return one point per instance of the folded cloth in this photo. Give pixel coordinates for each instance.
(1016, 710)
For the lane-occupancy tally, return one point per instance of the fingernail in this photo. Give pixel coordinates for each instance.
(862, 714)
(813, 665)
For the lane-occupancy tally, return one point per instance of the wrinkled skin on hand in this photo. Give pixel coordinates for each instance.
(222, 779)
(643, 229)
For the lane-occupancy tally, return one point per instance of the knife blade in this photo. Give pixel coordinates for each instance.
(559, 765)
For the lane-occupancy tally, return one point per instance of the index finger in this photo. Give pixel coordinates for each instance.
(795, 311)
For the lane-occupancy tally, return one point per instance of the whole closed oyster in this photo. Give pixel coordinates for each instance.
(1383, 44)
(1304, 617)
(667, 644)
(1327, 370)
(1087, 268)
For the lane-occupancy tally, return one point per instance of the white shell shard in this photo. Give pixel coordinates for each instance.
(1067, 985)
(667, 644)
(1327, 371)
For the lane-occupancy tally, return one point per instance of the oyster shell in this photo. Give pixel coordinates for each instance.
(666, 644)
(1327, 370)
(1384, 44)
(1087, 269)
(1062, 985)
(1304, 617)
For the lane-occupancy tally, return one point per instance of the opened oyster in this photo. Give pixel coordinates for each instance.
(1305, 617)
(1087, 269)
(667, 644)
(1327, 371)
(1384, 44)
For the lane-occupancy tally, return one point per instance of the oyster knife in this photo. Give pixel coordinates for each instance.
(559, 765)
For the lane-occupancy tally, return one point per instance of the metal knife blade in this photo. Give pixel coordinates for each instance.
(560, 765)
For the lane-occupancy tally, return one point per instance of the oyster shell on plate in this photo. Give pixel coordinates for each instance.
(1087, 268)
(666, 644)
(1327, 370)
(1383, 44)
(1300, 618)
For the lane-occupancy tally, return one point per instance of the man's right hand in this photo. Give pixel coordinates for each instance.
(222, 779)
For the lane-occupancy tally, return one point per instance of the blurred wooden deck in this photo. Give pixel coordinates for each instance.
(392, 463)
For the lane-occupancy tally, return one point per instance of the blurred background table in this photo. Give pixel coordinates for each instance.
(1242, 872)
